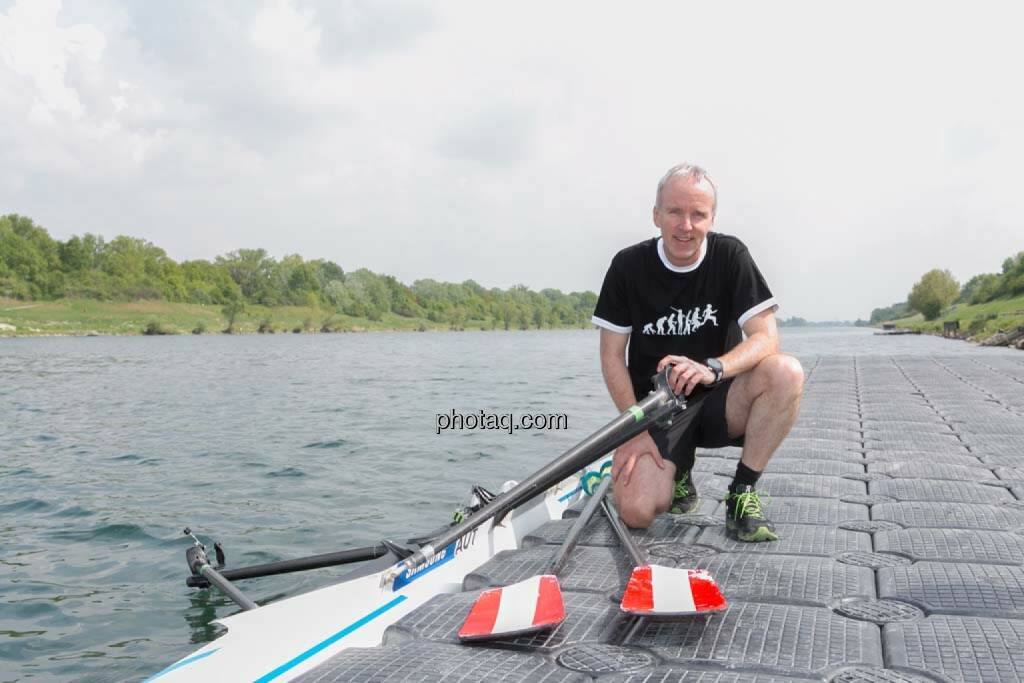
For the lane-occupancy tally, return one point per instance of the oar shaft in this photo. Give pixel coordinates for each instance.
(215, 578)
(296, 565)
(622, 532)
(573, 537)
(658, 405)
(195, 556)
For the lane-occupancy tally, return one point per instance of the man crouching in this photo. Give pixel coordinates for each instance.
(681, 300)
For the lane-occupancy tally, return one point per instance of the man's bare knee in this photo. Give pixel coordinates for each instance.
(637, 514)
(785, 374)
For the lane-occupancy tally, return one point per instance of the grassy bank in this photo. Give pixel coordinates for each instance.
(978, 322)
(85, 316)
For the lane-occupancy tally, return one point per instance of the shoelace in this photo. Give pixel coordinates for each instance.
(748, 504)
(682, 487)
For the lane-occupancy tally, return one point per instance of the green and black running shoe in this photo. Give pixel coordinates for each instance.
(684, 497)
(743, 517)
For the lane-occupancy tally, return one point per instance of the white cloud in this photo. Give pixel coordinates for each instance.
(287, 33)
(64, 108)
(521, 143)
(35, 48)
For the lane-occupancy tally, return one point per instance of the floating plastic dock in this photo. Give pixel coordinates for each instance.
(899, 498)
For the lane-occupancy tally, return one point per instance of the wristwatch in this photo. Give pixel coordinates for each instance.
(716, 367)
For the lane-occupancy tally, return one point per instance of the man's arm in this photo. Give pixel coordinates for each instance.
(620, 386)
(613, 367)
(762, 341)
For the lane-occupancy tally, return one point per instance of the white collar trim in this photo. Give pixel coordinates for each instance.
(682, 269)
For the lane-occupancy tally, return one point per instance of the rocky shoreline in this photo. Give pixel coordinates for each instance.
(1013, 339)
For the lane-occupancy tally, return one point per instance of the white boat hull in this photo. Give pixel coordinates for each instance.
(281, 640)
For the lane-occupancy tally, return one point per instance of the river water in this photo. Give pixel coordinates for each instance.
(278, 446)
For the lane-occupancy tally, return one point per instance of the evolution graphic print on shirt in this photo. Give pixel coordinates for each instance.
(677, 322)
(693, 311)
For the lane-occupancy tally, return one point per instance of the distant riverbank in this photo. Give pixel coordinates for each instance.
(981, 323)
(85, 317)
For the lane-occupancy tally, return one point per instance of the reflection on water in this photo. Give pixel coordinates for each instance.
(204, 604)
(279, 446)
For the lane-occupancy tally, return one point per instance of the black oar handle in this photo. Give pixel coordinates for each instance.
(660, 405)
(297, 565)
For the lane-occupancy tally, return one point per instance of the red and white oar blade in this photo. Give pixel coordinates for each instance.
(525, 607)
(654, 590)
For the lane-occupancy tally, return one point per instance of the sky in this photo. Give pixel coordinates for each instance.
(855, 147)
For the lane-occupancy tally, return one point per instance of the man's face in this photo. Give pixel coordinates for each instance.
(685, 217)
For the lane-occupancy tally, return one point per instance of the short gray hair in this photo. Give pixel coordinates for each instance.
(692, 171)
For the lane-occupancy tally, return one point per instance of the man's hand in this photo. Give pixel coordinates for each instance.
(629, 454)
(686, 374)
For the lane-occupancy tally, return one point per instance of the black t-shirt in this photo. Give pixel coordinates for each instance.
(694, 311)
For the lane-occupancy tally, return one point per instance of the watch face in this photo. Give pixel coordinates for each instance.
(716, 367)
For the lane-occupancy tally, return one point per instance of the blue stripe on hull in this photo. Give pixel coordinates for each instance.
(331, 640)
(178, 665)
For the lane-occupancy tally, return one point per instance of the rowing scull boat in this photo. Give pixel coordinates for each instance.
(281, 640)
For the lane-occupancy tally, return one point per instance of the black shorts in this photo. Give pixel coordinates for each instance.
(701, 424)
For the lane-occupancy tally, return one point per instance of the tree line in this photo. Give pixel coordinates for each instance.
(33, 266)
(938, 289)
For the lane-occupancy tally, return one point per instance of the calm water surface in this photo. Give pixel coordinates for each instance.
(279, 446)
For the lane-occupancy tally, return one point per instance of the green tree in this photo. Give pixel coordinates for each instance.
(231, 311)
(894, 312)
(297, 280)
(403, 301)
(1011, 283)
(31, 259)
(933, 292)
(326, 271)
(140, 270)
(253, 271)
(208, 283)
(979, 289)
(34, 265)
(80, 253)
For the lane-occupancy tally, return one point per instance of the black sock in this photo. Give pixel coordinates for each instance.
(685, 464)
(744, 477)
